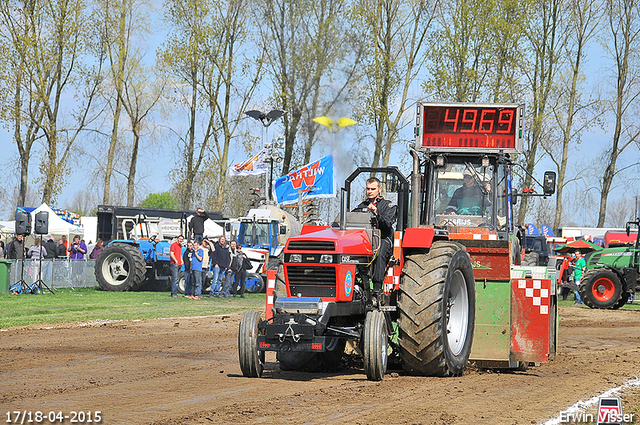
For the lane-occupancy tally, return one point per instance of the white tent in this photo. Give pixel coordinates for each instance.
(57, 226)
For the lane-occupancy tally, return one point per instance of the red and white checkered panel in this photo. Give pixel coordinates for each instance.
(539, 296)
(531, 319)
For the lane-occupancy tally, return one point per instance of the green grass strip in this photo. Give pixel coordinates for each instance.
(83, 304)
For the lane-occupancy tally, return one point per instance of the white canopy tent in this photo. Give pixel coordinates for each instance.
(57, 226)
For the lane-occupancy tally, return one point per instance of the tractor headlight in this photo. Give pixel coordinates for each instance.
(326, 258)
(295, 258)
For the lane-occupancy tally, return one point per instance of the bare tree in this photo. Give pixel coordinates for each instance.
(142, 92)
(216, 71)
(20, 107)
(623, 18)
(544, 39)
(306, 42)
(121, 25)
(571, 112)
(395, 35)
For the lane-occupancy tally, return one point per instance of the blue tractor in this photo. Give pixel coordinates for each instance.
(137, 256)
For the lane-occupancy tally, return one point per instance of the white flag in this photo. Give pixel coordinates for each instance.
(250, 167)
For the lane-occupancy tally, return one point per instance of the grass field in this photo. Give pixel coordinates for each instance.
(92, 304)
(67, 305)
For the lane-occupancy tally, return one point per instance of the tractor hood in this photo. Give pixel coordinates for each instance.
(346, 242)
(614, 257)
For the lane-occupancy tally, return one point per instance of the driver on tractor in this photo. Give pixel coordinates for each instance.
(385, 213)
(470, 198)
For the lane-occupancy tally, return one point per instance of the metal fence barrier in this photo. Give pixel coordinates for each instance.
(56, 273)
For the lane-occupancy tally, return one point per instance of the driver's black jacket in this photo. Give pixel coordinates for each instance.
(386, 215)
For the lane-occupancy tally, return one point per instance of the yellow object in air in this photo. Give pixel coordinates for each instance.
(340, 122)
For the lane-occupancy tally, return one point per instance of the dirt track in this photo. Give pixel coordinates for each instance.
(185, 371)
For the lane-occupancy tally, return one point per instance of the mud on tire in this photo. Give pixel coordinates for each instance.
(120, 267)
(601, 288)
(436, 310)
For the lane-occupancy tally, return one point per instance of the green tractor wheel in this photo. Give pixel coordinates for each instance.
(600, 288)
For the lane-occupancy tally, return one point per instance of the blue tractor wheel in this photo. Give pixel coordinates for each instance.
(255, 283)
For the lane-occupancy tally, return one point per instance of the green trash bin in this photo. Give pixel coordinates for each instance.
(5, 269)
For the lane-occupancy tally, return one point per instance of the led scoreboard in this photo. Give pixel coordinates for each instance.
(470, 126)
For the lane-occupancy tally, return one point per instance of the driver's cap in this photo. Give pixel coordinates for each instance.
(467, 173)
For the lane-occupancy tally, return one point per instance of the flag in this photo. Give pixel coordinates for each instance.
(317, 175)
(531, 229)
(250, 167)
(546, 230)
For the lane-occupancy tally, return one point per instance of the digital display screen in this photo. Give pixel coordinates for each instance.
(461, 126)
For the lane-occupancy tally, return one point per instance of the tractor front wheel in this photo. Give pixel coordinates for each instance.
(251, 360)
(375, 345)
(120, 267)
(600, 288)
(437, 307)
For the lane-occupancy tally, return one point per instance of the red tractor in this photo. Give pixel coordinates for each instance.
(450, 276)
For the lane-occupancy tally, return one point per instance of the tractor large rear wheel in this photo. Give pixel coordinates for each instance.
(600, 288)
(120, 267)
(436, 310)
(251, 360)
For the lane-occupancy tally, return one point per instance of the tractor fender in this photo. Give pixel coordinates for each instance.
(422, 237)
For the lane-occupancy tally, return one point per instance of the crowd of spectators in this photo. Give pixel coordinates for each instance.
(225, 264)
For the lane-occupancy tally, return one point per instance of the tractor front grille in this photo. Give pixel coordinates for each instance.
(312, 245)
(312, 281)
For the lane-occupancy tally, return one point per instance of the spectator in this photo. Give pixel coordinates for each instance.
(78, 251)
(186, 260)
(96, 249)
(175, 264)
(78, 248)
(221, 261)
(2, 249)
(581, 265)
(62, 248)
(196, 225)
(196, 269)
(36, 251)
(228, 282)
(206, 260)
(52, 253)
(15, 249)
(50, 246)
(239, 272)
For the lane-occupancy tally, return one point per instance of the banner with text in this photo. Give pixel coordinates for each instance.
(317, 176)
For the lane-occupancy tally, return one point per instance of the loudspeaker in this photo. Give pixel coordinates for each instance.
(42, 223)
(23, 223)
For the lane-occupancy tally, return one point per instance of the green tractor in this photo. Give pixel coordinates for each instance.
(612, 275)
